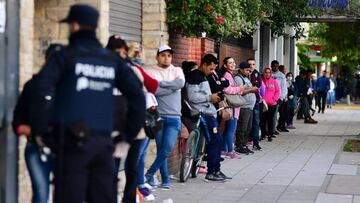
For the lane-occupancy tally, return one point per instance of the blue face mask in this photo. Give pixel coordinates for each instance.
(138, 61)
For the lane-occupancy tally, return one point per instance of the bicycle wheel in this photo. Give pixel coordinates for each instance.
(187, 159)
(199, 158)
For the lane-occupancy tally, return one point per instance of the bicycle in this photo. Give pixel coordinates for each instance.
(194, 151)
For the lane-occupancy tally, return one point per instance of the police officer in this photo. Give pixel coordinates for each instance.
(77, 83)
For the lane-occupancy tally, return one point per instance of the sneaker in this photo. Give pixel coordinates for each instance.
(273, 136)
(270, 139)
(144, 191)
(251, 152)
(291, 126)
(221, 159)
(257, 148)
(284, 130)
(249, 143)
(242, 150)
(310, 121)
(232, 155)
(221, 174)
(139, 196)
(149, 198)
(202, 170)
(166, 186)
(223, 153)
(214, 177)
(276, 132)
(150, 180)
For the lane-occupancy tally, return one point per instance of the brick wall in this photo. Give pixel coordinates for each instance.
(189, 49)
(238, 53)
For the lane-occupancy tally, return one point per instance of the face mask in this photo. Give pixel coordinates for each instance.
(289, 78)
(138, 61)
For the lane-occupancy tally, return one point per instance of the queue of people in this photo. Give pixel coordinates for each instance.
(91, 108)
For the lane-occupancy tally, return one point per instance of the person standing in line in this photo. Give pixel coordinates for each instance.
(244, 125)
(322, 87)
(230, 125)
(171, 80)
(330, 99)
(202, 99)
(281, 103)
(256, 81)
(133, 55)
(272, 95)
(301, 89)
(292, 99)
(79, 82)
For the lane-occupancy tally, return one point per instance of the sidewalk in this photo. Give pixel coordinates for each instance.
(306, 165)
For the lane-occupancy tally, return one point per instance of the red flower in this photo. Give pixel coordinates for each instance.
(220, 20)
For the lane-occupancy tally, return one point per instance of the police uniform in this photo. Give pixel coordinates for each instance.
(79, 81)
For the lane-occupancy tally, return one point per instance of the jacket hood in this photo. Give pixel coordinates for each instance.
(263, 75)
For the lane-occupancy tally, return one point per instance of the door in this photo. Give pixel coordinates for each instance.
(125, 19)
(9, 73)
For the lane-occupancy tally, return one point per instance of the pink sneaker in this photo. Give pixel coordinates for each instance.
(223, 153)
(291, 127)
(203, 170)
(232, 155)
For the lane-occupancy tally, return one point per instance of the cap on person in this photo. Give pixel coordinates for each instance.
(164, 48)
(82, 14)
(244, 65)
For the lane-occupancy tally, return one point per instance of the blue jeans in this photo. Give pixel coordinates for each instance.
(213, 146)
(256, 125)
(39, 172)
(229, 134)
(141, 161)
(165, 141)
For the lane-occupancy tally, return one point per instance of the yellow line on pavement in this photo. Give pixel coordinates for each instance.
(345, 107)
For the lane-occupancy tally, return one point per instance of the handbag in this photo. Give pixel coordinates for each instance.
(153, 122)
(226, 113)
(235, 100)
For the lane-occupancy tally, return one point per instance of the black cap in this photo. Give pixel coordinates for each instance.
(83, 14)
(244, 65)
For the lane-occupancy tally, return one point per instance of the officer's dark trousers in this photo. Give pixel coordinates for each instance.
(321, 100)
(86, 173)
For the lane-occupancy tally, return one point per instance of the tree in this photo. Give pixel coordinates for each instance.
(339, 39)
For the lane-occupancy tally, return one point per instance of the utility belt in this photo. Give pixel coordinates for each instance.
(75, 134)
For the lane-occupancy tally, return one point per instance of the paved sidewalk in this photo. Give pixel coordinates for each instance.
(303, 166)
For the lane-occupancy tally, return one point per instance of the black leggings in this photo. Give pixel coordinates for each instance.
(267, 120)
(291, 116)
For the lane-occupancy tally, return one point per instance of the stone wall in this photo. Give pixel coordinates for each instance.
(154, 31)
(39, 27)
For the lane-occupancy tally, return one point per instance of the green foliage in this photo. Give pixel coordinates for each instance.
(303, 59)
(218, 18)
(339, 39)
(348, 146)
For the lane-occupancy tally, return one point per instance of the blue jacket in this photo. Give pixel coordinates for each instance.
(322, 84)
(79, 81)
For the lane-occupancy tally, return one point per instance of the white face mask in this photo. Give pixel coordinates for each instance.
(289, 78)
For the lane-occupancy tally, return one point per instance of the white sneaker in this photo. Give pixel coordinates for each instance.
(149, 198)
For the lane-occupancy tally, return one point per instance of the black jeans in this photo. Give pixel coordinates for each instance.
(131, 172)
(305, 108)
(322, 100)
(267, 121)
(85, 173)
(284, 114)
(291, 116)
(243, 128)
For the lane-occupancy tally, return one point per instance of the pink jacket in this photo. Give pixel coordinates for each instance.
(233, 88)
(272, 91)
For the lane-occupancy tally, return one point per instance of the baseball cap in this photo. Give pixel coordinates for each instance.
(83, 14)
(244, 65)
(163, 48)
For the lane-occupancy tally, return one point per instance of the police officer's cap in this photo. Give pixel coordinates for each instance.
(82, 14)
